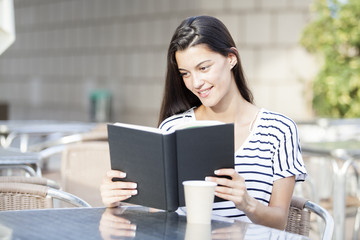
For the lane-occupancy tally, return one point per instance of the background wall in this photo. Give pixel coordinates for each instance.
(66, 48)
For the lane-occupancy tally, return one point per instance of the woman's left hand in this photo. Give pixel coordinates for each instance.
(232, 189)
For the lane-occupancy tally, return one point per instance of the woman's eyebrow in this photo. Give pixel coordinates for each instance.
(197, 65)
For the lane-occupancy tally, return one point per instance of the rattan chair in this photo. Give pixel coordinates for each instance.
(299, 217)
(20, 193)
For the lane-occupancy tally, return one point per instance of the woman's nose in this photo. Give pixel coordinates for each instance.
(197, 81)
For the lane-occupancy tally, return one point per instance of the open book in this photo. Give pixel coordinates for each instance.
(160, 161)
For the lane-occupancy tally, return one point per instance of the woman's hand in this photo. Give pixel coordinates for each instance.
(232, 189)
(113, 192)
(274, 215)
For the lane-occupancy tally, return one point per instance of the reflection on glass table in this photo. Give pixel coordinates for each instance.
(126, 222)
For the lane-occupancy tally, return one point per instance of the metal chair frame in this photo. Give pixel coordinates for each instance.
(299, 217)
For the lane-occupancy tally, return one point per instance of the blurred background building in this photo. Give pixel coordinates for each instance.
(69, 55)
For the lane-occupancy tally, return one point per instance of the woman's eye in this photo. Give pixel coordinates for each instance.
(204, 68)
(184, 74)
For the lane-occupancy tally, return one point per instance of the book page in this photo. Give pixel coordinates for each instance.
(185, 125)
(139, 127)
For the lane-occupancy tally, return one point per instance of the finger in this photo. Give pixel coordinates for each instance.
(225, 190)
(118, 186)
(220, 181)
(225, 196)
(228, 172)
(123, 185)
(116, 173)
(109, 179)
(119, 193)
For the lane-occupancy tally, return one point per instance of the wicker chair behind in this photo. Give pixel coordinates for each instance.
(21, 196)
(20, 193)
(299, 217)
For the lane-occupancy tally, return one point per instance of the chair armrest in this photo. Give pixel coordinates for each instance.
(67, 197)
(325, 215)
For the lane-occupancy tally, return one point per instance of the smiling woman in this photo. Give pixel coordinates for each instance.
(205, 81)
(207, 74)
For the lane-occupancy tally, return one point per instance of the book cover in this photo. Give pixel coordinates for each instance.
(160, 161)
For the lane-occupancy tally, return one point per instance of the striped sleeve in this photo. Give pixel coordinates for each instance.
(287, 158)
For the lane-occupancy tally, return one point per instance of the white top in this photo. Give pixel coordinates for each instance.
(271, 152)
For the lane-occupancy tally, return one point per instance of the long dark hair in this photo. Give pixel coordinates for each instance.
(193, 31)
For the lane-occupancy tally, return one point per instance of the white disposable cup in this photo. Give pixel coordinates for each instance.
(199, 198)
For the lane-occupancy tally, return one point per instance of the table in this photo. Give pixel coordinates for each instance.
(126, 222)
(347, 152)
(14, 158)
(9, 130)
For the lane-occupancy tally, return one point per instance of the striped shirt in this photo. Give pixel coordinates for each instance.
(270, 152)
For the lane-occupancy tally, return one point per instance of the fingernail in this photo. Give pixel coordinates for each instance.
(123, 175)
(207, 179)
(134, 192)
(216, 172)
(134, 185)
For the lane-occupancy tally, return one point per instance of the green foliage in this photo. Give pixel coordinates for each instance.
(334, 35)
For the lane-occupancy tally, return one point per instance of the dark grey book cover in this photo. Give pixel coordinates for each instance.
(159, 162)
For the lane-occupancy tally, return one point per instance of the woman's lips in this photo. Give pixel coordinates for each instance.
(204, 93)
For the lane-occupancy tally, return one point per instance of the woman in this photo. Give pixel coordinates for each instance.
(205, 81)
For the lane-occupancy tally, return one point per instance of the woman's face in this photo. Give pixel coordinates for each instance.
(207, 74)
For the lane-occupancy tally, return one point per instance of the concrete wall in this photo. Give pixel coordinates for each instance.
(67, 48)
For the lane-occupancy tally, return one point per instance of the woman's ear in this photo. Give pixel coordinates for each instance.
(232, 57)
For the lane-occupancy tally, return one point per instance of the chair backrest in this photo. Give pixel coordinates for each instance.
(32, 180)
(83, 166)
(21, 196)
(299, 217)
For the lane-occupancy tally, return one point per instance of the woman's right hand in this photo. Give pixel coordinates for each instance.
(113, 192)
